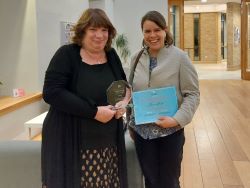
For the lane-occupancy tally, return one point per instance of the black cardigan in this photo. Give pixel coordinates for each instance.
(61, 127)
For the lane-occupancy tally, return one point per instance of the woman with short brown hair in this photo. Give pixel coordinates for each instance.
(83, 137)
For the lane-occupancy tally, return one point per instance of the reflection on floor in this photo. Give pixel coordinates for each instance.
(216, 72)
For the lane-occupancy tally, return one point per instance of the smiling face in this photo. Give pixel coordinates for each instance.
(95, 38)
(94, 30)
(154, 36)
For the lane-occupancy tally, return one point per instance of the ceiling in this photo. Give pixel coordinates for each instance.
(198, 2)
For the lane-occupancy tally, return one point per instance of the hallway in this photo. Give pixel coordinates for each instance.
(217, 150)
(216, 72)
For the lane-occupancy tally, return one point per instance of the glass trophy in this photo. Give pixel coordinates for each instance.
(117, 92)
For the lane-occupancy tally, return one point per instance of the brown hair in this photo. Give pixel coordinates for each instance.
(93, 18)
(159, 20)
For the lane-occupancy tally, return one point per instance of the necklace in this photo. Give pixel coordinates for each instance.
(92, 58)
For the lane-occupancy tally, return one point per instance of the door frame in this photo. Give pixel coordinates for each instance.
(244, 40)
(180, 4)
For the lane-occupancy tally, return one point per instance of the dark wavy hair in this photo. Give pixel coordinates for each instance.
(93, 18)
(158, 19)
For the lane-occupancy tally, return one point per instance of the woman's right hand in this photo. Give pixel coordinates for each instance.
(104, 113)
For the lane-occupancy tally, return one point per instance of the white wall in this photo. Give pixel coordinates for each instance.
(107, 5)
(18, 47)
(49, 15)
(110, 9)
(29, 35)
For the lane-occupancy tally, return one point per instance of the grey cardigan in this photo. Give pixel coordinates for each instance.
(174, 68)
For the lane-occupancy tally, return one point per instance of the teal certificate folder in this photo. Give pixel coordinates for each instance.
(150, 104)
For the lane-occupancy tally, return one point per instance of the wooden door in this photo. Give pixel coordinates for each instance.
(245, 39)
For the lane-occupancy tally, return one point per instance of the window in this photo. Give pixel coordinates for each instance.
(223, 36)
(196, 37)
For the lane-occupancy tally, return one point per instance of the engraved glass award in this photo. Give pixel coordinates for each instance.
(117, 91)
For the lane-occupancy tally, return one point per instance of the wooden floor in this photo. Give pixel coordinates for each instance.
(217, 148)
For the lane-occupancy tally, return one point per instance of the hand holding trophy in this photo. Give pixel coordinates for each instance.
(119, 95)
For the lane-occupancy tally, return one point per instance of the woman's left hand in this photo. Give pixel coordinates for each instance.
(166, 122)
(121, 105)
(121, 109)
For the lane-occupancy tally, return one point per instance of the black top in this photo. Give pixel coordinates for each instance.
(92, 84)
(74, 93)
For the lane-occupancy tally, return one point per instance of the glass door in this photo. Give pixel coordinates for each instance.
(196, 37)
(223, 36)
(245, 39)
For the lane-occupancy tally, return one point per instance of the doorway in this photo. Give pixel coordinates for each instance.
(245, 38)
(223, 49)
